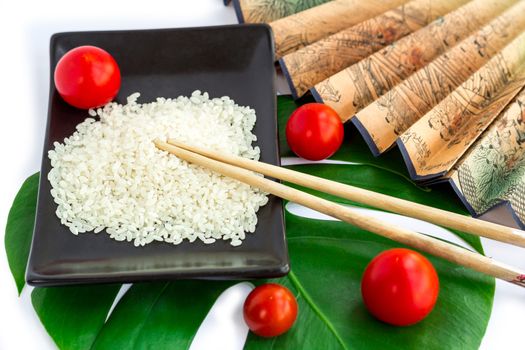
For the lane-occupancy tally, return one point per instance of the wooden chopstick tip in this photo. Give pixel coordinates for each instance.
(160, 144)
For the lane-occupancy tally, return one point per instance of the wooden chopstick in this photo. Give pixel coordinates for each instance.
(378, 200)
(422, 242)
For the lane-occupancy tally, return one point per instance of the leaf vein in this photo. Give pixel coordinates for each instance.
(315, 308)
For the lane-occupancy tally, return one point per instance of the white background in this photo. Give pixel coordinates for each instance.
(24, 36)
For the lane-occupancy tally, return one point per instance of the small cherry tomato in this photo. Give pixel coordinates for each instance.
(87, 77)
(314, 131)
(400, 287)
(270, 310)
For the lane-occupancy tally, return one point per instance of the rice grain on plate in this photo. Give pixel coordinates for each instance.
(109, 174)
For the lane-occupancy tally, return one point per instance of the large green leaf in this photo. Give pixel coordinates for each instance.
(73, 316)
(150, 315)
(19, 229)
(327, 257)
(159, 315)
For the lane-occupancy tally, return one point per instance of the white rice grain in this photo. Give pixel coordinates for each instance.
(109, 174)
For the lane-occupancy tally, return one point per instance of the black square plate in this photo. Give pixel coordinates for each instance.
(235, 61)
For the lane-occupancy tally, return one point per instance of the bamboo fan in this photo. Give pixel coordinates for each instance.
(435, 142)
(296, 31)
(383, 121)
(360, 84)
(444, 80)
(493, 170)
(312, 64)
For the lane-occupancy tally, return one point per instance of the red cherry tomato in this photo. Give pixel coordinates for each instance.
(314, 131)
(87, 77)
(270, 310)
(400, 287)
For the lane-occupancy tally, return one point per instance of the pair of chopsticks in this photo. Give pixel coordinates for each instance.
(242, 170)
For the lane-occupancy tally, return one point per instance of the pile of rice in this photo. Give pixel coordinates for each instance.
(109, 174)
